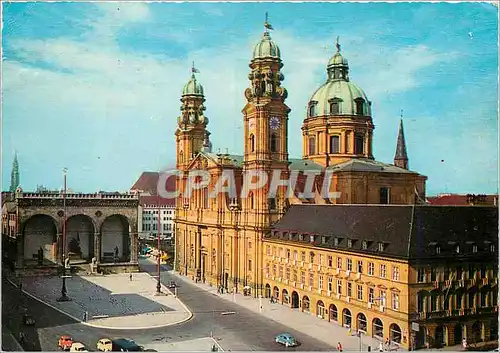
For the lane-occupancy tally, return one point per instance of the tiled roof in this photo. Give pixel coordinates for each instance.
(148, 182)
(408, 232)
(367, 165)
(152, 200)
(459, 200)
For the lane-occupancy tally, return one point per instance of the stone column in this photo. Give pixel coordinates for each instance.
(133, 247)
(58, 255)
(97, 247)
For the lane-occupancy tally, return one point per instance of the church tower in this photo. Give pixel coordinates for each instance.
(265, 119)
(14, 175)
(191, 132)
(401, 157)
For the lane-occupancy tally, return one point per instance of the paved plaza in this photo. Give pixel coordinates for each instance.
(112, 301)
(195, 345)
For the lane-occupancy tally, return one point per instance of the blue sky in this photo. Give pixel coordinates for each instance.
(96, 87)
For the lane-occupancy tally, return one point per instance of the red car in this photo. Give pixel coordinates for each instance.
(65, 342)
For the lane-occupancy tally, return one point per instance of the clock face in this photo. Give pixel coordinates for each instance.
(274, 123)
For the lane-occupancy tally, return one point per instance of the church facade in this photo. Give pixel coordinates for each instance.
(220, 240)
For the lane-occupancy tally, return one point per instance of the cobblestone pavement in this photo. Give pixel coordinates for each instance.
(322, 330)
(112, 301)
(195, 345)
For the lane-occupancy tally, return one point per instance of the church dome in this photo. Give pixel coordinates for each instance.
(192, 87)
(338, 95)
(266, 48)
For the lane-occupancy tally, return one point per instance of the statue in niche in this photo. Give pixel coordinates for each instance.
(74, 245)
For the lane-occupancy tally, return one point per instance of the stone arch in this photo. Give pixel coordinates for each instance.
(320, 309)
(333, 313)
(115, 239)
(40, 232)
(306, 304)
(421, 336)
(395, 333)
(458, 331)
(80, 230)
(267, 292)
(361, 323)
(440, 336)
(295, 300)
(477, 332)
(346, 318)
(276, 293)
(378, 328)
(284, 297)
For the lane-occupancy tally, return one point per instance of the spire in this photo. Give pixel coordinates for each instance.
(401, 157)
(194, 70)
(14, 176)
(337, 44)
(267, 25)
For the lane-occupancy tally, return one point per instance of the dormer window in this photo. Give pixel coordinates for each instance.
(312, 109)
(474, 248)
(334, 108)
(381, 246)
(438, 249)
(290, 236)
(492, 248)
(364, 245)
(311, 238)
(457, 249)
(360, 106)
(301, 237)
(323, 240)
(336, 241)
(349, 243)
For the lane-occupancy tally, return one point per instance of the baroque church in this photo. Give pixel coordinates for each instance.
(220, 240)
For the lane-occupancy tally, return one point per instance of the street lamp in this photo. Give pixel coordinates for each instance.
(158, 282)
(64, 297)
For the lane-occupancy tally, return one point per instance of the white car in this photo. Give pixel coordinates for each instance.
(78, 347)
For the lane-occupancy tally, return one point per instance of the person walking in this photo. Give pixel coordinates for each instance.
(380, 347)
(464, 344)
(130, 276)
(339, 347)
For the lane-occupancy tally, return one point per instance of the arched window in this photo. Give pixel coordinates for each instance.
(181, 157)
(359, 144)
(252, 143)
(359, 106)
(334, 107)
(312, 109)
(274, 143)
(312, 145)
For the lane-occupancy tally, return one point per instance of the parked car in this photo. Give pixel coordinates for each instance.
(104, 345)
(125, 345)
(172, 284)
(65, 342)
(78, 347)
(28, 319)
(287, 339)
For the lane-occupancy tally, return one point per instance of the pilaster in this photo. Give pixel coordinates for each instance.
(97, 247)
(133, 247)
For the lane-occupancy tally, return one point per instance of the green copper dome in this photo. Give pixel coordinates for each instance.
(338, 59)
(192, 87)
(266, 48)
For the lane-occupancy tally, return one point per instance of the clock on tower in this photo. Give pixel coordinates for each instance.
(274, 123)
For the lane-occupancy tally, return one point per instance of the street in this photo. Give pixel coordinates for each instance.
(243, 330)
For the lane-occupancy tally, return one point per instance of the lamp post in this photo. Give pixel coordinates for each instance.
(64, 297)
(158, 283)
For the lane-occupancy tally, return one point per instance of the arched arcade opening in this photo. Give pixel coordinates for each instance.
(115, 239)
(40, 233)
(80, 237)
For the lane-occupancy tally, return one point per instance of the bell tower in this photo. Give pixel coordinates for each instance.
(191, 132)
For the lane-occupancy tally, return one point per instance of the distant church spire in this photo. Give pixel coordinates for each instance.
(401, 157)
(14, 175)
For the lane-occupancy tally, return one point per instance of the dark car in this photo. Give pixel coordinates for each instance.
(125, 345)
(28, 319)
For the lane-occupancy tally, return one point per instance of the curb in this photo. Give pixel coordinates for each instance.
(218, 345)
(102, 326)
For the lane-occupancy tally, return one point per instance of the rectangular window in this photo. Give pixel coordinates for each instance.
(384, 196)
(281, 271)
(339, 263)
(311, 279)
(433, 274)
(287, 273)
(294, 275)
(382, 271)
(380, 246)
(336, 241)
(303, 256)
(320, 282)
(371, 267)
(395, 273)
(249, 265)
(359, 144)
(267, 267)
(330, 283)
(371, 295)
(360, 266)
(321, 257)
(360, 292)
(275, 267)
(474, 248)
(303, 277)
(395, 301)
(312, 145)
(383, 297)
(349, 289)
(288, 254)
(349, 243)
(334, 108)
(334, 144)
(421, 275)
(272, 203)
(274, 251)
(205, 198)
(364, 245)
(339, 286)
(349, 264)
(330, 261)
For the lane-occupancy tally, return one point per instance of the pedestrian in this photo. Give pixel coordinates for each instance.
(85, 316)
(464, 344)
(380, 347)
(130, 276)
(387, 344)
(21, 338)
(272, 300)
(339, 347)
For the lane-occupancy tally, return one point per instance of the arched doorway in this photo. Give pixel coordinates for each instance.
(306, 305)
(395, 333)
(285, 297)
(115, 239)
(361, 324)
(320, 309)
(477, 332)
(40, 232)
(80, 237)
(420, 337)
(295, 300)
(439, 336)
(334, 314)
(457, 334)
(346, 318)
(267, 292)
(276, 293)
(378, 328)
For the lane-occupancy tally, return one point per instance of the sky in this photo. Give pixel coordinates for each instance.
(95, 87)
